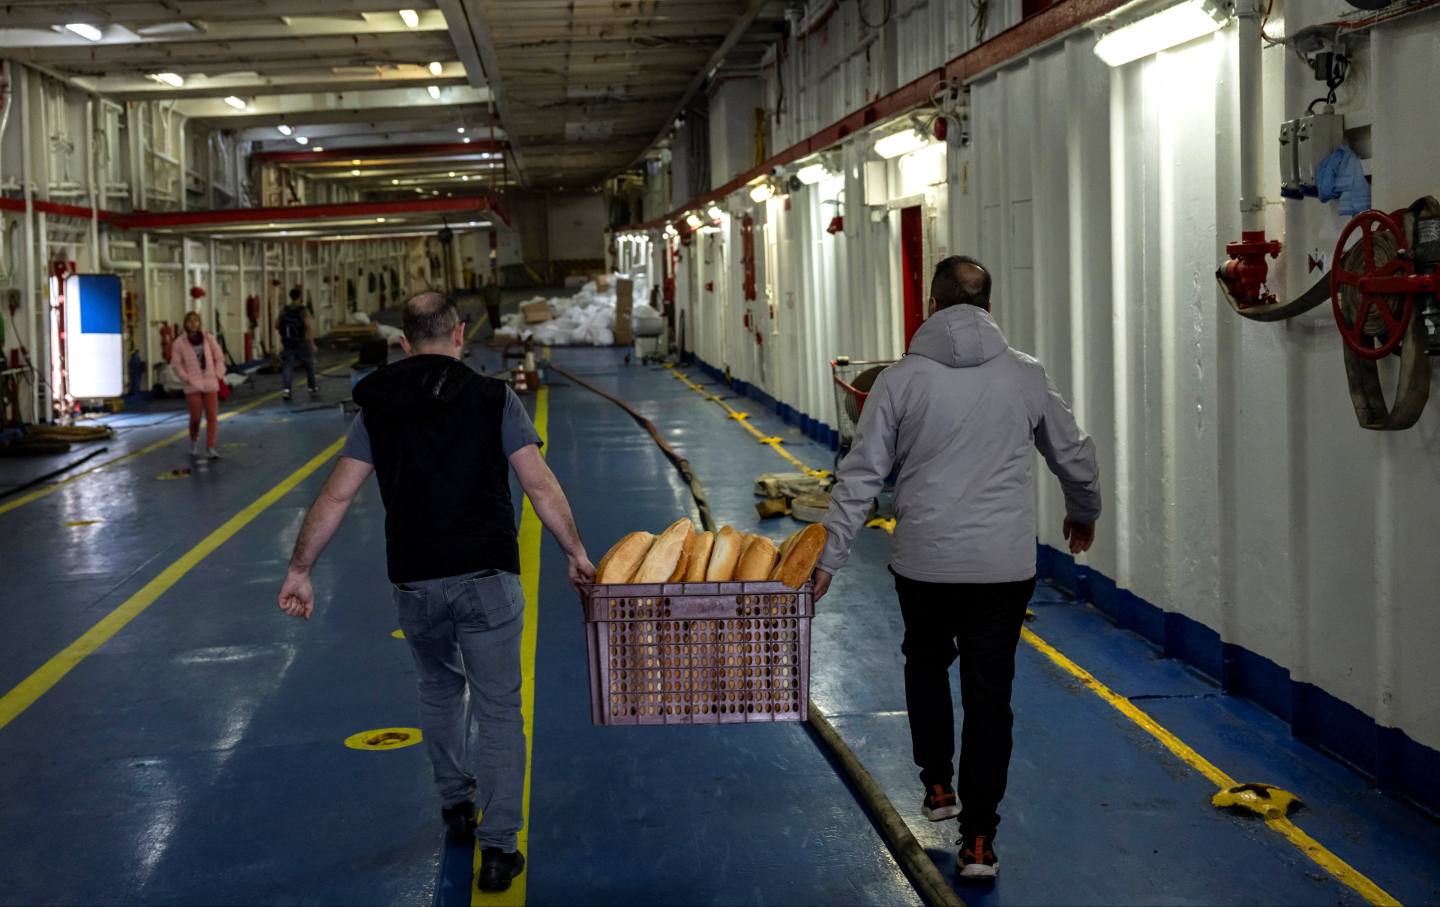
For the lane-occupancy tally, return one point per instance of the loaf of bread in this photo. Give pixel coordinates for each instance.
(683, 565)
(724, 555)
(623, 559)
(700, 558)
(666, 555)
(785, 547)
(802, 551)
(756, 560)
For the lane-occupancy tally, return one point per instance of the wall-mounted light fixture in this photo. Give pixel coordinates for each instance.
(811, 174)
(761, 193)
(284, 130)
(410, 18)
(84, 30)
(1161, 30)
(715, 212)
(173, 79)
(434, 91)
(898, 143)
(436, 68)
(237, 103)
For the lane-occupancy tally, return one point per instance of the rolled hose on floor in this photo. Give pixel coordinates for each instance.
(52, 474)
(929, 882)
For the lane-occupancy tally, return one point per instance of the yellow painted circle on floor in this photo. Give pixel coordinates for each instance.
(384, 738)
(398, 634)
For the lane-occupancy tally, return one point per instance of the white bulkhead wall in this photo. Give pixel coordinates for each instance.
(1240, 491)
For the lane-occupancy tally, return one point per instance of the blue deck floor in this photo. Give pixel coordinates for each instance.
(196, 756)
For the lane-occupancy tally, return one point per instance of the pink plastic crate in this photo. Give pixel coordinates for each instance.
(698, 653)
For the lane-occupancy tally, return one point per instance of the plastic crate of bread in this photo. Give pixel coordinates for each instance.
(695, 627)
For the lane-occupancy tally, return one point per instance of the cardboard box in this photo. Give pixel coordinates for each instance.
(535, 312)
(624, 303)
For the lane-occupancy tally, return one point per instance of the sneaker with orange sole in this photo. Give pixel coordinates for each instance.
(940, 803)
(977, 859)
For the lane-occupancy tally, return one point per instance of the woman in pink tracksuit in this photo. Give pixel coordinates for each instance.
(200, 365)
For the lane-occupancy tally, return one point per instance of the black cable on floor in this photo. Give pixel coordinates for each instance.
(39, 480)
(681, 464)
(929, 882)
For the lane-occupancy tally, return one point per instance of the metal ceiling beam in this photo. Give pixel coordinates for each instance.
(752, 10)
(245, 54)
(158, 220)
(126, 33)
(44, 13)
(327, 107)
(141, 88)
(470, 33)
(381, 153)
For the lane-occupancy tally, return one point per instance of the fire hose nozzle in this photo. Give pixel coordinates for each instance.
(1245, 272)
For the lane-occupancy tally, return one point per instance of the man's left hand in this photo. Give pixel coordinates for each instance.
(581, 570)
(822, 583)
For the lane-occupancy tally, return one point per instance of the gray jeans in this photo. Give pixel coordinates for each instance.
(465, 630)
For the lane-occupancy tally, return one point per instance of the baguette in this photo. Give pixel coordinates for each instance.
(687, 551)
(724, 554)
(802, 554)
(756, 561)
(623, 559)
(665, 555)
(700, 558)
(784, 550)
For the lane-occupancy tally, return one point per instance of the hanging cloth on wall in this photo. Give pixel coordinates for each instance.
(1342, 176)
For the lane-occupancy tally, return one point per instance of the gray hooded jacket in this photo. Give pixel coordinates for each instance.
(958, 418)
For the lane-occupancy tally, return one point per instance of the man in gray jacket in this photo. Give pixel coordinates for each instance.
(956, 420)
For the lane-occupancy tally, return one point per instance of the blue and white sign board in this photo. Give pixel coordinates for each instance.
(94, 342)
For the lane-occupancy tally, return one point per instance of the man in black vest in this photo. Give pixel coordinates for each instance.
(441, 440)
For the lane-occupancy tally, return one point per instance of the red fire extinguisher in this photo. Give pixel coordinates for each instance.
(166, 336)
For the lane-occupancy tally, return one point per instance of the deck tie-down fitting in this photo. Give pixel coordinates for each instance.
(1264, 800)
(385, 738)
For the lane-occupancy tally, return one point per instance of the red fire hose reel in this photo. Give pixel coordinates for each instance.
(1245, 273)
(1387, 285)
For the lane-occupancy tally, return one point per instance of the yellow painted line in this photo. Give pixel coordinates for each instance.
(1342, 871)
(529, 540)
(184, 434)
(51, 672)
(743, 419)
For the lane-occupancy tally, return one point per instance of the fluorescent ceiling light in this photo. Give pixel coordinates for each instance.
(379, 220)
(434, 91)
(316, 148)
(354, 172)
(84, 30)
(436, 68)
(304, 141)
(464, 178)
(410, 18)
(466, 140)
(1160, 31)
(394, 182)
(173, 79)
(284, 130)
(355, 162)
(811, 173)
(235, 102)
(899, 143)
(715, 212)
(452, 174)
(761, 193)
(693, 220)
(460, 130)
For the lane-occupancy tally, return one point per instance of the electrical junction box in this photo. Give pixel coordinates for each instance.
(1304, 144)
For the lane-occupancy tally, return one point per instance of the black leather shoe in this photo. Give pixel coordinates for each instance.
(497, 868)
(459, 819)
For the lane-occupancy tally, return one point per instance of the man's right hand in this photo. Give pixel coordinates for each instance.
(822, 583)
(297, 598)
(1080, 535)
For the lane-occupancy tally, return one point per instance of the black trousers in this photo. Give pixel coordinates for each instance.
(980, 623)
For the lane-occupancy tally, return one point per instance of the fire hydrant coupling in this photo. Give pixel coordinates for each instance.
(1245, 273)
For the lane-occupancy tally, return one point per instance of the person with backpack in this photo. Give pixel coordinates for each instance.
(297, 339)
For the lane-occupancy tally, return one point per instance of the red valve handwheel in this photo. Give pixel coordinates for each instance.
(1367, 222)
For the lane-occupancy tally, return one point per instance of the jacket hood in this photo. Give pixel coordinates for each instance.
(962, 336)
(420, 385)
